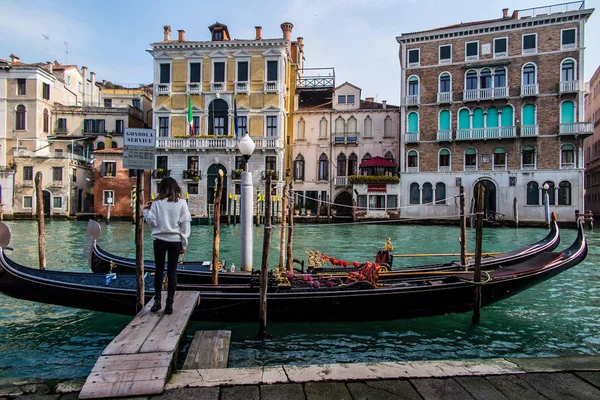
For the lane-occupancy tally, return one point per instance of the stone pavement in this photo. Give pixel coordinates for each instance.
(489, 379)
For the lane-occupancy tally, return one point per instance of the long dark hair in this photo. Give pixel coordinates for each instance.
(168, 189)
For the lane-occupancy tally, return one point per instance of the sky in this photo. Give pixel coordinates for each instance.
(356, 37)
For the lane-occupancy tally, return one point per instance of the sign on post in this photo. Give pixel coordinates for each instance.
(139, 148)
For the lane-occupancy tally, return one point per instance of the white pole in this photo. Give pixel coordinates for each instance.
(546, 207)
(246, 220)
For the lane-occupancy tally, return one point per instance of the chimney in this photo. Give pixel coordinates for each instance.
(258, 32)
(14, 58)
(301, 42)
(181, 35)
(384, 104)
(504, 12)
(84, 85)
(515, 14)
(49, 66)
(286, 28)
(167, 33)
(93, 77)
(370, 99)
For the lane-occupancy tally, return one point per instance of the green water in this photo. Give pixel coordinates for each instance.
(556, 318)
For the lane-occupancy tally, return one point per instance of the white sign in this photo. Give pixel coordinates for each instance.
(136, 157)
(139, 137)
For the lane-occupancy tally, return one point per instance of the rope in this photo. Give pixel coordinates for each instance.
(489, 278)
(323, 202)
(384, 221)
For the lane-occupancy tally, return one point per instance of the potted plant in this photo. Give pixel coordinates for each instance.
(297, 208)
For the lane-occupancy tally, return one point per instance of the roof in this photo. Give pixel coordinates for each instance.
(378, 162)
(371, 105)
(115, 150)
(460, 25)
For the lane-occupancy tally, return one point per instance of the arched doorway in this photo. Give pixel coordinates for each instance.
(489, 197)
(343, 204)
(211, 181)
(217, 117)
(46, 200)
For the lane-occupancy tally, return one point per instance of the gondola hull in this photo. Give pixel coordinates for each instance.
(401, 299)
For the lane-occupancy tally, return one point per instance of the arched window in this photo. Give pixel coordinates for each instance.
(427, 193)
(492, 117)
(415, 193)
(323, 128)
(100, 146)
(533, 194)
(529, 77)
(564, 193)
(500, 77)
(412, 161)
(444, 120)
(471, 159)
(567, 112)
(20, 121)
(528, 157)
(341, 164)
(323, 167)
(339, 126)
(352, 125)
(389, 156)
(444, 160)
(567, 156)
(299, 168)
(478, 118)
(499, 159)
(440, 193)
(413, 86)
(529, 115)
(366, 157)
(301, 127)
(46, 121)
(114, 145)
(218, 111)
(352, 164)
(413, 122)
(445, 83)
(485, 79)
(567, 71)
(551, 193)
(368, 127)
(464, 119)
(507, 116)
(471, 80)
(387, 127)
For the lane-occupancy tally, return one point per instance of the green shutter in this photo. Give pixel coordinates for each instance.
(567, 112)
(499, 150)
(444, 152)
(507, 116)
(413, 122)
(445, 120)
(528, 115)
(478, 118)
(568, 147)
(470, 151)
(464, 120)
(492, 117)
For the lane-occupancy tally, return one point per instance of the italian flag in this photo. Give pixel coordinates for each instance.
(190, 116)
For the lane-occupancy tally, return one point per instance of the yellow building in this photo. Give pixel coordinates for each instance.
(215, 78)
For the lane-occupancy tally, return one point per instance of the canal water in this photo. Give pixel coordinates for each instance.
(556, 318)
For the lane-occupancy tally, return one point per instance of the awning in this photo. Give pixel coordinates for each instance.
(378, 162)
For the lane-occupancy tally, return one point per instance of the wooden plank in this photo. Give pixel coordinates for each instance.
(132, 362)
(167, 333)
(129, 388)
(134, 335)
(209, 349)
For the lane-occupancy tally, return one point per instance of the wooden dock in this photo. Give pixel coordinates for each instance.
(138, 361)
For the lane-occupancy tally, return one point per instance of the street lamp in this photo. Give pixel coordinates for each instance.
(545, 188)
(246, 147)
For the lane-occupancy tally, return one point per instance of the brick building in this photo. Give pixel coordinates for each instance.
(497, 102)
(592, 144)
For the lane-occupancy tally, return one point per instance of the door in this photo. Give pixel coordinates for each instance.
(343, 204)
(211, 182)
(489, 197)
(46, 200)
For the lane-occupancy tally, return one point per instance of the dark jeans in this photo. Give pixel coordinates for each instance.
(161, 249)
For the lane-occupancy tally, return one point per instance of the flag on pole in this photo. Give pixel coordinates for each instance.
(190, 116)
(235, 117)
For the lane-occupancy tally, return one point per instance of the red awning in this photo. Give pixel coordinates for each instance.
(378, 162)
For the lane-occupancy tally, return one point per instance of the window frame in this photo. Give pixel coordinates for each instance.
(21, 118)
(472, 57)
(414, 63)
(104, 197)
(270, 127)
(267, 61)
(29, 168)
(214, 71)
(441, 60)
(31, 199)
(45, 91)
(476, 155)
(340, 98)
(323, 169)
(501, 54)
(166, 128)
(54, 198)
(443, 168)
(299, 168)
(568, 46)
(237, 70)
(525, 51)
(440, 82)
(199, 63)
(534, 73)
(534, 158)
(160, 73)
(55, 174)
(21, 87)
(104, 170)
(537, 194)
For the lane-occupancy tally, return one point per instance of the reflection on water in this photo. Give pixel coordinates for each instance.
(558, 317)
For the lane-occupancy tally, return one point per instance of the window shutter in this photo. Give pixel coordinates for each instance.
(165, 73)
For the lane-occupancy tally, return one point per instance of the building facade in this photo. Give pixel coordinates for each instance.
(592, 146)
(199, 86)
(345, 150)
(497, 102)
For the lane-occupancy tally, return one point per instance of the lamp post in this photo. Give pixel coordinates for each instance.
(545, 188)
(246, 147)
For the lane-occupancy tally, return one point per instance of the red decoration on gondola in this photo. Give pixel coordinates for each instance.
(355, 263)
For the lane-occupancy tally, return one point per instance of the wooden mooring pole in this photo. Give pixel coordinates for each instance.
(516, 212)
(290, 239)
(283, 227)
(217, 228)
(139, 242)
(463, 228)
(478, 244)
(40, 218)
(264, 266)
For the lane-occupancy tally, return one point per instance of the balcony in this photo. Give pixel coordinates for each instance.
(577, 128)
(341, 181)
(217, 87)
(346, 138)
(192, 174)
(503, 132)
(444, 135)
(241, 87)
(271, 87)
(499, 167)
(315, 78)
(236, 174)
(528, 167)
(413, 100)
(57, 184)
(412, 137)
(485, 94)
(444, 98)
(569, 86)
(194, 88)
(27, 183)
(61, 131)
(530, 90)
(268, 143)
(444, 168)
(93, 131)
(160, 173)
(162, 89)
(529, 130)
(412, 170)
(566, 165)
(196, 143)
(470, 168)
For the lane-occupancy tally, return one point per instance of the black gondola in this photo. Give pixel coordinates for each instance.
(408, 297)
(101, 261)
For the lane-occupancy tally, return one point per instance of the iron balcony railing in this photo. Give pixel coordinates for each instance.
(315, 78)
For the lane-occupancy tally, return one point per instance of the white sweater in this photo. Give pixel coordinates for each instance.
(170, 221)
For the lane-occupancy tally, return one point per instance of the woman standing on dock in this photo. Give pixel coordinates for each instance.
(170, 221)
